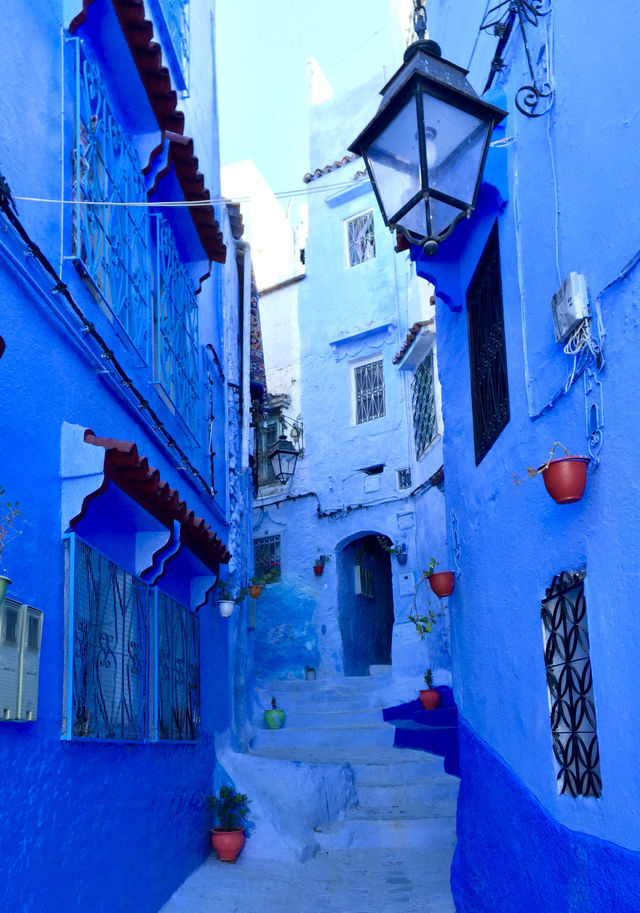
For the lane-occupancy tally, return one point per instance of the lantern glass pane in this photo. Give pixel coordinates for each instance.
(456, 141)
(416, 219)
(442, 215)
(394, 159)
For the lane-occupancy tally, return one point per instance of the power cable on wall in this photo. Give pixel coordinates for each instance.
(9, 210)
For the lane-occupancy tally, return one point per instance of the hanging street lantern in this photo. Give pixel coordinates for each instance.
(283, 459)
(426, 147)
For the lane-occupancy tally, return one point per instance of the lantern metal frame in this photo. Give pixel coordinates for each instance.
(283, 446)
(426, 72)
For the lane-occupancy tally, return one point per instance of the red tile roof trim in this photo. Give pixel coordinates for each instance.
(411, 335)
(319, 172)
(132, 474)
(163, 99)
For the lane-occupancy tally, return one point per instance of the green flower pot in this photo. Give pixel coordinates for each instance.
(274, 718)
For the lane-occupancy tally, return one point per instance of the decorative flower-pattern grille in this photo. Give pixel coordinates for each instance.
(176, 329)
(369, 391)
(111, 242)
(266, 556)
(424, 406)
(487, 350)
(573, 715)
(110, 649)
(178, 671)
(361, 242)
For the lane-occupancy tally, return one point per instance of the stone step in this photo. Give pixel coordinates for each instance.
(397, 771)
(388, 832)
(436, 788)
(413, 811)
(375, 734)
(329, 718)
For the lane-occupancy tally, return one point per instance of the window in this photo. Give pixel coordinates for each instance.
(404, 479)
(266, 556)
(174, 24)
(359, 238)
(267, 439)
(572, 709)
(425, 424)
(487, 351)
(368, 382)
(134, 657)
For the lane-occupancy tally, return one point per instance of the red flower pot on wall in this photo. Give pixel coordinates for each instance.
(566, 478)
(442, 582)
(318, 569)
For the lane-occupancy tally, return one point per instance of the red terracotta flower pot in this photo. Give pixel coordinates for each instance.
(318, 569)
(441, 582)
(566, 478)
(430, 698)
(254, 591)
(227, 844)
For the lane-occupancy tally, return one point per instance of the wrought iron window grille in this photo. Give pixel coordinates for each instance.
(404, 479)
(500, 19)
(267, 557)
(569, 680)
(369, 391)
(360, 238)
(133, 655)
(425, 423)
(487, 350)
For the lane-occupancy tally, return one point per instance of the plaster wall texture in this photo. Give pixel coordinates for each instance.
(347, 316)
(514, 539)
(82, 824)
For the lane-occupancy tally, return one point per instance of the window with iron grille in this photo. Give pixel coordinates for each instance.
(133, 660)
(368, 380)
(572, 709)
(360, 239)
(425, 423)
(266, 557)
(404, 479)
(487, 350)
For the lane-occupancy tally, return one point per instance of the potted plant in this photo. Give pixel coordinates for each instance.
(429, 696)
(424, 623)
(398, 550)
(309, 673)
(274, 718)
(226, 600)
(441, 582)
(319, 564)
(259, 582)
(230, 808)
(565, 478)
(9, 516)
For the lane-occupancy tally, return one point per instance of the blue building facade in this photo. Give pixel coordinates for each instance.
(544, 608)
(124, 379)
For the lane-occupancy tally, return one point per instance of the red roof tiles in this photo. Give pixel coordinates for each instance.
(132, 474)
(319, 172)
(411, 335)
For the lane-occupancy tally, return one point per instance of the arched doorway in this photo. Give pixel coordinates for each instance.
(365, 604)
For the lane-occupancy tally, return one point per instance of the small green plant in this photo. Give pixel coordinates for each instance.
(532, 473)
(321, 560)
(229, 807)
(10, 514)
(225, 592)
(265, 579)
(424, 623)
(428, 678)
(309, 668)
(432, 566)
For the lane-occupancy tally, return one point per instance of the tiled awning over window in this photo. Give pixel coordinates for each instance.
(132, 473)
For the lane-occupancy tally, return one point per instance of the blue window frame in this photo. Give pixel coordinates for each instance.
(133, 656)
(173, 24)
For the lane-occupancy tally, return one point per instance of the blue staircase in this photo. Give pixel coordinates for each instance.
(435, 731)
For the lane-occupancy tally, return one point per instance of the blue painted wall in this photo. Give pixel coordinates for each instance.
(95, 826)
(561, 188)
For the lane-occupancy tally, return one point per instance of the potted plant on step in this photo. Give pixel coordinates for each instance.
(310, 673)
(230, 808)
(9, 516)
(565, 478)
(274, 718)
(226, 600)
(441, 582)
(429, 696)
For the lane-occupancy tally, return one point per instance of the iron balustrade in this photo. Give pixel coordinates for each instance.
(111, 243)
(133, 655)
(572, 709)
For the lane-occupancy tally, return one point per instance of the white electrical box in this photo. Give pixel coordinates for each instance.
(570, 306)
(20, 639)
